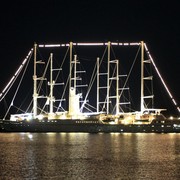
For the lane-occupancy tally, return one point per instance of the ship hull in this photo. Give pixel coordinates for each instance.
(90, 127)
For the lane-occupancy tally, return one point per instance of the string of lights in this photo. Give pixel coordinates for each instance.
(10, 83)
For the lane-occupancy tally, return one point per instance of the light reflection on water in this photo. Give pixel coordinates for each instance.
(89, 156)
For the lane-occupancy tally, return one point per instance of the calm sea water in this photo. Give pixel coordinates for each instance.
(89, 156)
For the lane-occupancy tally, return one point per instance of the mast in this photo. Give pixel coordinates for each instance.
(74, 109)
(35, 79)
(35, 95)
(108, 71)
(142, 77)
(115, 77)
(75, 71)
(97, 85)
(70, 64)
(117, 87)
(70, 68)
(51, 99)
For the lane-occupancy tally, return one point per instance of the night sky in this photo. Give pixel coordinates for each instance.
(62, 21)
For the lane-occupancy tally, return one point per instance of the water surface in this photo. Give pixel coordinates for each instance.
(89, 156)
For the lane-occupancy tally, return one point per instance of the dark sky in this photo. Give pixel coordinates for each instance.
(56, 21)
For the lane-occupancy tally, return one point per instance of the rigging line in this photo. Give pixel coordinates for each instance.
(103, 107)
(28, 108)
(25, 101)
(162, 80)
(41, 83)
(152, 88)
(43, 108)
(129, 99)
(18, 86)
(148, 86)
(91, 82)
(111, 86)
(45, 70)
(5, 103)
(65, 87)
(59, 71)
(103, 56)
(19, 109)
(125, 83)
(88, 109)
(62, 63)
(130, 70)
(68, 81)
(113, 51)
(89, 88)
(93, 77)
(87, 104)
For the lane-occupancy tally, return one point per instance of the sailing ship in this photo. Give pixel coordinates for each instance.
(100, 120)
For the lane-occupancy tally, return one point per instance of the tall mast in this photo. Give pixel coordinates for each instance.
(75, 71)
(70, 68)
(108, 71)
(117, 87)
(97, 85)
(35, 95)
(115, 76)
(70, 63)
(142, 76)
(51, 84)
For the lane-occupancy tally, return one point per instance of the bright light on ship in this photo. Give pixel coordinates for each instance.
(174, 102)
(6, 89)
(8, 84)
(112, 123)
(134, 44)
(52, 45)
(40, 117)
(90, 44)
(178, 108)
(114, 43)
(41, 45)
